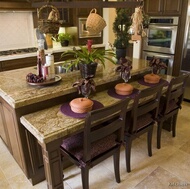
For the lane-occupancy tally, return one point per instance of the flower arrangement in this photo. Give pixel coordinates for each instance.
(157, 65)
(85, 86)
(125, 69)
(86, 58)
(87, 55)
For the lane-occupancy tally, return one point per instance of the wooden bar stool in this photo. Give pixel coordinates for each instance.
(170, 104)
(102, 138)
(141, 119)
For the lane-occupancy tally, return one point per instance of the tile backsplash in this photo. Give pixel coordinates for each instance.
(16, 30)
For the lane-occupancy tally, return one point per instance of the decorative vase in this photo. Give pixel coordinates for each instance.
(86, 90)
(120, 53)
(88, 70)
(64, 43)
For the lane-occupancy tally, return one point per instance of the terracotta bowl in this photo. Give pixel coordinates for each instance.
(152, 78)
(124, 89)
(81, 105)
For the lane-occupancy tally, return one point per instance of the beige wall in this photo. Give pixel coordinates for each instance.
(109, 16)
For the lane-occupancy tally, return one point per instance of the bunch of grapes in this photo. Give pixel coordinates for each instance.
(33, 78)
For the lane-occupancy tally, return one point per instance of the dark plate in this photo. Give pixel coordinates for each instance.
(48, 82)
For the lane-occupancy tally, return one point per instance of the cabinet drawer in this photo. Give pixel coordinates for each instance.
(18, 63)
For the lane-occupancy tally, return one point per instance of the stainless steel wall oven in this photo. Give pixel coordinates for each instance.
(161, 40)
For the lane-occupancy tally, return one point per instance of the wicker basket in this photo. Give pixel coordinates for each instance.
(48, 19)
(95, 23)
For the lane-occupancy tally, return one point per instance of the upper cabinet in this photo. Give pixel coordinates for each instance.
(15, 5)
(163, 7)
(84, 12)
(66, 14)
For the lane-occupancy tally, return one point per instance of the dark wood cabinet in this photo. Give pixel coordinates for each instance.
(9, 132)
(84, 12)
(16, 5)
(18, 63)
(3, 128)
(163, 7)
(24, 62)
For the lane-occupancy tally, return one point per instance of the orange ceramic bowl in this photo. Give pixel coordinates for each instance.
(81, 105)
(152, 78)
(124, 89)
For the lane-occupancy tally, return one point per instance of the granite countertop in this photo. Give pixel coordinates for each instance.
(50, 124)
(18, 93)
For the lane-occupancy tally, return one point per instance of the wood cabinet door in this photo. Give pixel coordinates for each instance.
(163, 7)
(3, 130)
(12, 135)
(172, 7)
(153, 7)
(18, 63)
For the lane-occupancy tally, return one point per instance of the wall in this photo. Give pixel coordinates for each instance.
(109, 16)
(16, 30)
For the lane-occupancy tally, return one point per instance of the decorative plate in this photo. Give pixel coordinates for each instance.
(47, 82)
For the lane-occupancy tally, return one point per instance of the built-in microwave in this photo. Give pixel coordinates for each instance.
(161, 35)
(83, 32)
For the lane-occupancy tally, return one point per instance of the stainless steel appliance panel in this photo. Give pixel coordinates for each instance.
(187, 89)
(166, 58)
(160, 39)
(161, 35)
(185, 66)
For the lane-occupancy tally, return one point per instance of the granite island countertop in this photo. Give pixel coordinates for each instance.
(18, 93)
(50, 124)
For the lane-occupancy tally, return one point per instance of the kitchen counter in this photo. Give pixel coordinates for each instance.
(55, 49)
(22, 94)
(18, 98)
(50, 126)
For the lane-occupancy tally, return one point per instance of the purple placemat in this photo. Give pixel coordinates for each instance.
(66, 109)
(142, 82)
(111, 92)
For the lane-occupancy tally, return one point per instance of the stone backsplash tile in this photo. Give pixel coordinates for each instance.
(16, 30)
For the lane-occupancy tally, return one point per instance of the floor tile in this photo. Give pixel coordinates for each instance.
(167, 168)
(159, 178)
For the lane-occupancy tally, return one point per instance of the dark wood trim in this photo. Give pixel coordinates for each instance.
(15, 5)
(90, 4)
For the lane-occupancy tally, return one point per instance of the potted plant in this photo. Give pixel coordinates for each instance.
(85, 86)
(125, 69)
(121, 26)
(87, 58)
(157, 65)
(63, 38)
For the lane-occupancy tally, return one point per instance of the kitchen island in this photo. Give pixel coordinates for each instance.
(18, 98)
(50, 126)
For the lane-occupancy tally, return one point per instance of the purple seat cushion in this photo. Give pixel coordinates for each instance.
(144, 120)
(74, 145)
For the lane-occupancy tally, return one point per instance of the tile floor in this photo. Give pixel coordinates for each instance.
(169, 167)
